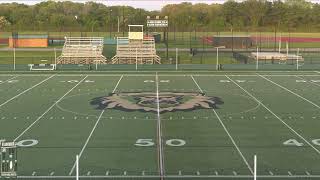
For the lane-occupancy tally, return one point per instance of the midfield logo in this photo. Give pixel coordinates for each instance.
(147, 101)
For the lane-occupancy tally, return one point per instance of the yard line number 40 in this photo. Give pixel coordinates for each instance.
(294, 142)
(169, 142)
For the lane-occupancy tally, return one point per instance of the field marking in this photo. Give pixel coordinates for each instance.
(92, 131)
(226, 130)
(87, 141)
(14, 97)
(196, 84)
(151, 74)
(114, 90)
(291, 91)
(159, 132)
(49, 109)
(308, 81)
(284, 123)
(171, 176)
(9, 79)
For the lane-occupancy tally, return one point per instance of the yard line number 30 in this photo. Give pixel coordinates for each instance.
(169, 142)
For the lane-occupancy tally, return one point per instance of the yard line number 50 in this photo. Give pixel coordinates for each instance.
(169, 142)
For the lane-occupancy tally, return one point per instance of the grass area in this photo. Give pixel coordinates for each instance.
(215, 136)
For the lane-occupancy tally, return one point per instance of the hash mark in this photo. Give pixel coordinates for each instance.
(290, 174)
(308, 173)
(271, 173)
(234, 173)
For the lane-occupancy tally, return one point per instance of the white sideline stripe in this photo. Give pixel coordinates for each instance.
(172, 176)
(291, 92)
(87, 141)
(170, 75)
(159, 131)
(308, 81)
(8, 80)
(93, 129)
(284, 123)
(226, 130)
(26, 90)
(48, 109)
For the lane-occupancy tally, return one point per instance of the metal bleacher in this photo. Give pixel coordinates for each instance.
(82, 50)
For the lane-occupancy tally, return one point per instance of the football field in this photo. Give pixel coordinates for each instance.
(163, 125)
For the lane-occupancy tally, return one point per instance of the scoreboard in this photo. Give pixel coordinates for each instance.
(157, 22)
(8, 159)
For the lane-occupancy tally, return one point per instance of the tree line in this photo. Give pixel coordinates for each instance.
(249, 15)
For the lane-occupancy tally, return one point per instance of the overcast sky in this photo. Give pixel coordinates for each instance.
(145, 4)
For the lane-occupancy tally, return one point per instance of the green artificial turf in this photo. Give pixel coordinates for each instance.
(266, 114)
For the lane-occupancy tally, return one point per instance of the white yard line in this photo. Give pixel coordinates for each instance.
(48, 109)
(159, 132)
(8, 79)
(92, 131)
(308, 81)
(284, 123)
(26, 91)
(172, 176)
(196, 84)
(87, 141)
(226, 130)
(115, 88)
(316, 105)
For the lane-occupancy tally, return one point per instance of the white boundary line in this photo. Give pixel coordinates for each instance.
(172, 176)
(226, 130)
(8, 79)
(26, 91)
(291, 91)
(92, 131)
(155, 70)
(173, 75)
(159, 132)
(48, 109)
(284, 123)
(308, 81)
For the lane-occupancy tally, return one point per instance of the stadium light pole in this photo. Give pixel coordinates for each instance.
(176, 58)
(55, 59)
(14, 58)
(78, 24)
(217, 60)
(110, 24)
(257, 63)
